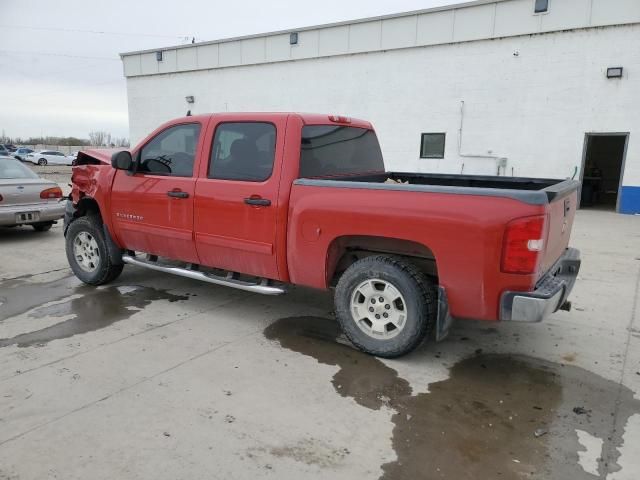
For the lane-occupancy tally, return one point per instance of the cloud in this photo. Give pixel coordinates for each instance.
(61, 74)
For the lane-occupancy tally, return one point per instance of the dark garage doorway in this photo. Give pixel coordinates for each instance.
(602, 167)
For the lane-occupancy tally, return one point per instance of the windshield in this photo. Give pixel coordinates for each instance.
(15, 169)
(330, 150)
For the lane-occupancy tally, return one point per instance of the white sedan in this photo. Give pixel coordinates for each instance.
(48, 157)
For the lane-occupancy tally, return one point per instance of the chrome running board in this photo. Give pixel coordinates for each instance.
(228, 281)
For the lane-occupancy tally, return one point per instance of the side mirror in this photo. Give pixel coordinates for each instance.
(122, 160)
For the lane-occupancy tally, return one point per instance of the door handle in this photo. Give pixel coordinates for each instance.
(257, 201)
(177, 194)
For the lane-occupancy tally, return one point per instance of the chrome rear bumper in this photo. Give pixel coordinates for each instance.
(46, 212)
(550, 294)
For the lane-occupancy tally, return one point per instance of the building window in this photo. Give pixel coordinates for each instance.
(432, 145)
(541, 6)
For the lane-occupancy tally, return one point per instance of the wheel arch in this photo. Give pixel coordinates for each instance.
(343, 251)
(87, 206)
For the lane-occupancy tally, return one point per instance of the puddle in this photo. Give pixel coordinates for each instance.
(19, 295)
(481, 421)
(97, 308)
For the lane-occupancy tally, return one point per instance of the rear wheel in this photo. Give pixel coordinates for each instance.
(42, 161)
(42, 227)
(385, 305)
(87, 252)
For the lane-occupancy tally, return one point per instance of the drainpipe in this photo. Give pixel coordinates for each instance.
(501, 162)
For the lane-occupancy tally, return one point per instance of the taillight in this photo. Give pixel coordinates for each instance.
(54, 192)
(524, 241)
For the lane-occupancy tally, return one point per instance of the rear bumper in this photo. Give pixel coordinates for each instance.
(47, 212)
(550, 294)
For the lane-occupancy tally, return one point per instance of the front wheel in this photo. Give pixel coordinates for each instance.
(87, 252)
(42, 162)
(385, 305)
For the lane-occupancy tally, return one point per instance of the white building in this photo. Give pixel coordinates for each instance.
(541, 88)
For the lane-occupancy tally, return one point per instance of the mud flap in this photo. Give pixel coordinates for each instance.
(444, 320)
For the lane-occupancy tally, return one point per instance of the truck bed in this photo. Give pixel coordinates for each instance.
(534, 191)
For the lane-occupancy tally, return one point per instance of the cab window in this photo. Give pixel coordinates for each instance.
(330, 150)
(172, 152)
(243, 151)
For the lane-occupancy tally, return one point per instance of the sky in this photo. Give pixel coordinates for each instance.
(60, 72)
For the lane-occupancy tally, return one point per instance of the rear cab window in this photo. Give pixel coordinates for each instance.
(335, 150)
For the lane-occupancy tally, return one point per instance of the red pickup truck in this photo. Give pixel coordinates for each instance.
(257, 201)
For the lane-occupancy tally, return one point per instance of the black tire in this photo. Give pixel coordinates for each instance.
(105, 271)
(419, 296)
(42, 162)
(42, 227)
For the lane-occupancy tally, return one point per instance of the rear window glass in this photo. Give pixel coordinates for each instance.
(331, 150)
(15, 169)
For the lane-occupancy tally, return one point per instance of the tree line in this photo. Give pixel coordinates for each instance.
(96, 138)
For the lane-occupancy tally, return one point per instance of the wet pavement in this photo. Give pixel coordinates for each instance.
(87, 309)
(496, 416)
(161, 377)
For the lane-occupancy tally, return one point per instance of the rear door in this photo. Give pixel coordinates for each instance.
(152, 209)
(236, 200)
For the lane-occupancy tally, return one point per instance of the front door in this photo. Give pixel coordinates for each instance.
(152, 209)
(236, 198)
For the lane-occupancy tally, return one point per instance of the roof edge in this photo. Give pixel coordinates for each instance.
(442, 8)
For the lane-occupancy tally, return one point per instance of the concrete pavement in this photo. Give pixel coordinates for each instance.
(166, 378)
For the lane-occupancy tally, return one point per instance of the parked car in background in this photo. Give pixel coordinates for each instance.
(26, 199)
(4, 151)
(46, 157)
(21, 153)
(72, 156)
(10, 147)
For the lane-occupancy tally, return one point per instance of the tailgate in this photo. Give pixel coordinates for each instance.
(562, 211)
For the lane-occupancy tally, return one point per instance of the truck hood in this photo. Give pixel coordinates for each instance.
(93, 157)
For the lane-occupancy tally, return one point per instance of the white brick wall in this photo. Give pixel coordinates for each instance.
(533, 108)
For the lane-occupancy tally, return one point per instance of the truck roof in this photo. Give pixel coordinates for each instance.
(307, 118)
